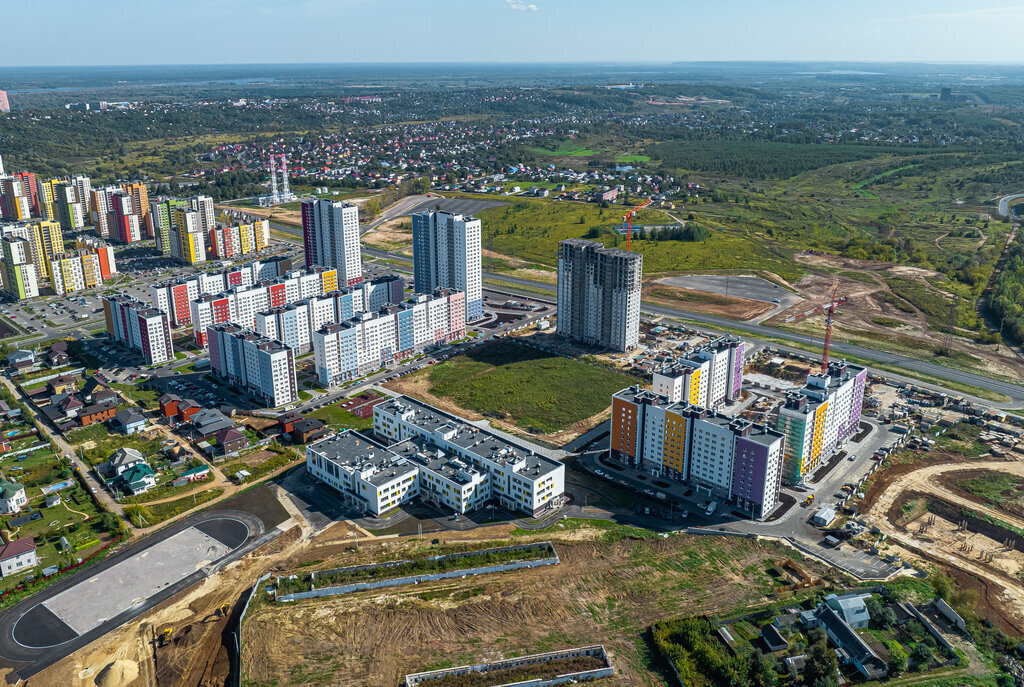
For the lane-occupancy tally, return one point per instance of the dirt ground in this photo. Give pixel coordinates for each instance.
(673, 296)
(998, 581)
(418, 386)
(605, 593)
(867, 301)
(390, 235)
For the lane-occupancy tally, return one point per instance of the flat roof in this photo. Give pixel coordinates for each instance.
(449, 466)
(476, 441)
(375, 463)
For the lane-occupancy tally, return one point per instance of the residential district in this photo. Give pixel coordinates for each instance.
(226, 357)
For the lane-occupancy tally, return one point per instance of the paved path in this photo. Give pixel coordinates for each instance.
(66, 449)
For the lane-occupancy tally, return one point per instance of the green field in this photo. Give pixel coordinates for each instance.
(339, 418)
(530, 229)
(565, 150)
(535, 390)
(997, 488)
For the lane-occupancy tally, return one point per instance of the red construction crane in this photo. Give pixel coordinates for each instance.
(628, 221)
(828, 330)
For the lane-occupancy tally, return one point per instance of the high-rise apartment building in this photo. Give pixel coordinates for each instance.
(104, 253)
(706, 376)
(446, 254)
(232, 240)
(19, 274)
(820, 416)
(83, 193)
(139, 326)
(724, 458)
(48, 242)
(187, 239)
(74, 272)
(5, 106)
(46, 198)
(204, 206)
(260, 365)
(140, 202)
(28, 180)
(599, 294)
(352, 348)
(15, 201)
(69, 210)
(99, 211)
(330, 236)
(161, 221)
(123, 219)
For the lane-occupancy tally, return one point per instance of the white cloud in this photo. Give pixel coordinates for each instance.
(521, 6)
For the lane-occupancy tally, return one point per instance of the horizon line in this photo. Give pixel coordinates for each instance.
(523, 62)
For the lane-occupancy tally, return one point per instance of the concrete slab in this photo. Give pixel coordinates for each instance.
(132, 581)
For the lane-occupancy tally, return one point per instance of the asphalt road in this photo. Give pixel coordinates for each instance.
(1014, 391)
(1004, 205)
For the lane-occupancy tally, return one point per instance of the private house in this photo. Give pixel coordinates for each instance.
(123, 459)
(129, 420)
(287, 421)
(21, 359)
(230, 440)
(773, 639)
(130, 472)
(12, 497)
(852, 650)
(137, 479)
(207, 422)
(852, 609)
(57, 356)
(7, 413)
(64, 384)
(169, 405)
(100, 412)
(94, 391)
(17, 556)
(186, 409)
(53, 500)
(308, 429)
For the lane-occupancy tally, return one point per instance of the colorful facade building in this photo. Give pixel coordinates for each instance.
(370, 340)
(724, 458)
(820, 416)
(707, 376)
(139, 326)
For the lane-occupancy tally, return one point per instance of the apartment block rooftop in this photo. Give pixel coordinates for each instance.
(696, 356)
(819, 388)
(478, 442)
(745, 428)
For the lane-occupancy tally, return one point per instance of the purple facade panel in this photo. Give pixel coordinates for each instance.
(749, 471)
(737, 371)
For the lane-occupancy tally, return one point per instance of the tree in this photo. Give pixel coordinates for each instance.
(897, 657)
(821, 665)
(921, 655)
(762, 670)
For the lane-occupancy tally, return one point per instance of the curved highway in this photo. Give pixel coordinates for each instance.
(1004, 206)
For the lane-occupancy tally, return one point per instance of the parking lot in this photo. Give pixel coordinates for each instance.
(752, 288)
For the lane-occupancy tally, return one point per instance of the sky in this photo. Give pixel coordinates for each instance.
(114, 32)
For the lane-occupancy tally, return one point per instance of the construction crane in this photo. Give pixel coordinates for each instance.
(628, 221)
(828, 330)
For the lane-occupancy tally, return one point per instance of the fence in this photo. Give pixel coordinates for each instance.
(596, 651)
(426, 577)
(235, 647)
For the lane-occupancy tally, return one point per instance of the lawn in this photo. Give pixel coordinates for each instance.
(104, 443)
(338, 418)
(155, 513)
(261, 463)
(144, 397)
(567, 149)
(534, 389)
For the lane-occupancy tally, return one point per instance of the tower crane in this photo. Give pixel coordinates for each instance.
(628, 221)
(828, 330)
